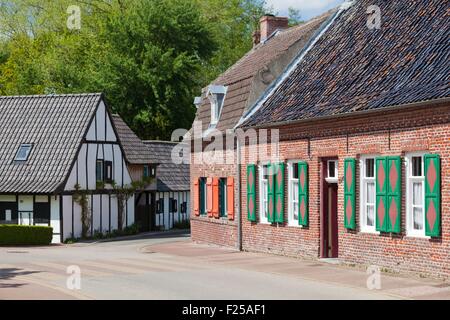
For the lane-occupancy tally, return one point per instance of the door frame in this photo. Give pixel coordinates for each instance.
(324, 227)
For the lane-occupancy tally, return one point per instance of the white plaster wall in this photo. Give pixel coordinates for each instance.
(114, 214)
(96, 212)
(67, 217)
(105, 213)
(55, 222)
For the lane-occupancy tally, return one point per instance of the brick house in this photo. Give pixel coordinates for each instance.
(221, 106)
(363, 173)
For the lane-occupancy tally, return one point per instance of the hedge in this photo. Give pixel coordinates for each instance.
(12, 235)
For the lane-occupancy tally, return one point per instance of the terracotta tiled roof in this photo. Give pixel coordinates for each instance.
(353, 68)
(136, 152)
(240, 77)
(171, 177)
(55, 125)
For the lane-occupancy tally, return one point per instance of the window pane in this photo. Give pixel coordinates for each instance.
(99, 171)
(295, 171)
(265, 209)
(23, 153)
(331, 169)
(370, 165)
(266, 172)
(264, 193)
(370, 215)
(417, 194)
(295, 192)
(370, 191)
(417, 166)
(295, 211)
(418, 218)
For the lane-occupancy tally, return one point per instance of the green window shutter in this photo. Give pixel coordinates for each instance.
(381, 190)
(202, 197)
(279, 192)
(394, 196)
(350, 194)
(432, 195)
(222, 193)
(271, 194)
(251, 192)
(303, 194)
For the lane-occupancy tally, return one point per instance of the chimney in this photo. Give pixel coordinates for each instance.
(269, 24)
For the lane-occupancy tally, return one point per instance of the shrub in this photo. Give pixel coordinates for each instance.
(186, 224)
(12, 235)
(131, 230)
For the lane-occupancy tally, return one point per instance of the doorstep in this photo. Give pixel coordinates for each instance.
(334, 261)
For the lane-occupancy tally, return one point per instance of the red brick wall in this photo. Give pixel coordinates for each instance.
(388, 133)
(211, 230)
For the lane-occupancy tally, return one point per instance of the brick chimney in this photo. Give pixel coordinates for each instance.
(269, 24)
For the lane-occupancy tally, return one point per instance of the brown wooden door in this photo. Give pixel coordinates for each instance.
(329, 242)
(332, 239)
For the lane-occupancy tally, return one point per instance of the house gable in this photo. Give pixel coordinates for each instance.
(100, 143)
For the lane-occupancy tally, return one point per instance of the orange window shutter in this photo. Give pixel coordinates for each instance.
(196, 195)
(215, 206)
(209, 196)
(230, 198)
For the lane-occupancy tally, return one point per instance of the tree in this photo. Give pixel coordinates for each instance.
(232, 23)
(150, 57)
(295, 17)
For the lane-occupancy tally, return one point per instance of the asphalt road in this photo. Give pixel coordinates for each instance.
(172, 267)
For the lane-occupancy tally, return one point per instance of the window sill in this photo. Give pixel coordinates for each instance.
(294, 225)
(374, 232)
(418, 236)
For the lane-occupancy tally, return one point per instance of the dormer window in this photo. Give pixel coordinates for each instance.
(198, 102)
(24, 152)
(216, 95)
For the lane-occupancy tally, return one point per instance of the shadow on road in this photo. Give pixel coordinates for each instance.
(174, 234)
(8, 274)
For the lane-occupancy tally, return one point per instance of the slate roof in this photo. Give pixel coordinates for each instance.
(171, 177)
(136, 152)
(55, 125)
(352, 68)
(240, 77)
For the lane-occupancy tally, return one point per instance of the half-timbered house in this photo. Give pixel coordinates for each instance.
(55, 149)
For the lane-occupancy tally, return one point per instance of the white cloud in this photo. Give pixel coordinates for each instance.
(299, 4)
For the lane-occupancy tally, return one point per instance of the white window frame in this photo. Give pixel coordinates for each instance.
(216, 107)
(292, 222)
(363, 194)
(263, 195)
(410, 180)
(334, 179)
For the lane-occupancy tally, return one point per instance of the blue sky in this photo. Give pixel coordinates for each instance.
(308, 8)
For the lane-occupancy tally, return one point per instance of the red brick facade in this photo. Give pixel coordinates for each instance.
(395, 132)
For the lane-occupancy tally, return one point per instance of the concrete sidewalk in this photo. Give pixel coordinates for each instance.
(319, 271)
